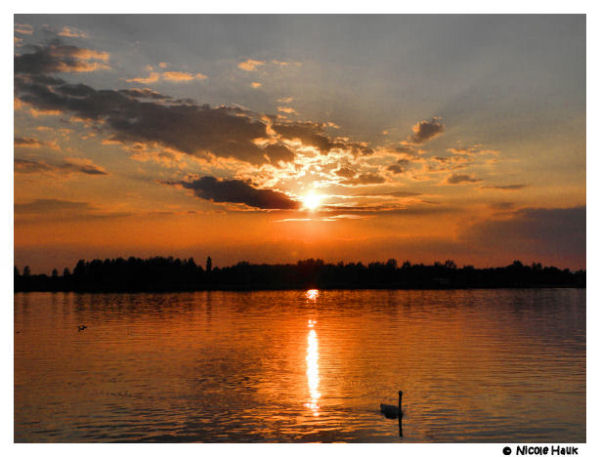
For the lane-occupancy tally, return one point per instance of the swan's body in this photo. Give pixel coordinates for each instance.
(391, 411)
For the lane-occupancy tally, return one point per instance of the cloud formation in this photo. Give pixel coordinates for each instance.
(345, 172)
(71, 32)
(141, 116)
(424, 131)
(21, 142)
(50, 205)
(313, 134)
(24, 29)
(60, 58)
(237, 191)
(250, 64)
(507, 187)
(364, 179)
(184, 126)
(460, 179)
(168, 76)
(558, 233)
(68, 166)
(182, 76)
(399, 167)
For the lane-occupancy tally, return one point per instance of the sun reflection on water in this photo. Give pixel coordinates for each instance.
(312, 368)
(312, 294)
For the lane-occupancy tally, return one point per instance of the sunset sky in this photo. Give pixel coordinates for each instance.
(278, 138)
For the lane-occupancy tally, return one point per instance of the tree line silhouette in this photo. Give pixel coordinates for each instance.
(162, 274)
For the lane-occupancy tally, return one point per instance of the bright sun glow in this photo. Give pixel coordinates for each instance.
(312, 201)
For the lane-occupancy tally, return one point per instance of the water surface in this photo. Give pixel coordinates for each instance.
(476, 365)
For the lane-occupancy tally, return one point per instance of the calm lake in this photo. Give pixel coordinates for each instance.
(473, 365)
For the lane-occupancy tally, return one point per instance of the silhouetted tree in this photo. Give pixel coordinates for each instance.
(169, 274)
(450, 265)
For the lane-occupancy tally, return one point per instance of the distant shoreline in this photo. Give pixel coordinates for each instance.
(160, 274)
(301, 289)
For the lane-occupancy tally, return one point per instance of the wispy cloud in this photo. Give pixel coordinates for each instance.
(182, 76)
(506, 187)
(72, 32)
(68, 166)
(34, 143)
(461, 179)
(365, 178)
(286, 110)
(51, 205)
(168, 76)
(24, 29)
(250, 64)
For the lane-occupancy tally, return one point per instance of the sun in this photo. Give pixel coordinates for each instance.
(312, 201)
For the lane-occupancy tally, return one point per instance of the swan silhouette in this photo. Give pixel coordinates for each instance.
(391, 411)
(81, 327)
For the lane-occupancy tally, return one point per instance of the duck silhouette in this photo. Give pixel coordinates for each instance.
(391, 411)
(81, 327)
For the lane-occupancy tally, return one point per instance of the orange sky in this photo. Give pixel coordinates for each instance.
(248, 139)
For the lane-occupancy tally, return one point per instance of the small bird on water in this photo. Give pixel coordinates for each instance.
(81, 327)
(391, 411)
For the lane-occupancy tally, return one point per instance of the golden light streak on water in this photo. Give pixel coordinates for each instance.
(312, 368)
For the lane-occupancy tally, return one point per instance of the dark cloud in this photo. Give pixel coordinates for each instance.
(450, 159)
(144, 93)
(136, 115)
(345, 172)
(67, 167)
(403, 193)
(557, 234)
(507, 187)
(313, 134)
(59, 58)
(52, 209)
(460, 179)
(28, 142)
(396, 169)
(502, 206)
(390, 209)
(279, 152)
(399, 167)
(50, 205)
(309, 133)
(141, 115)
(365, 178)
(405, 148)
(237, 191)
(31, 166)
(426, 130)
